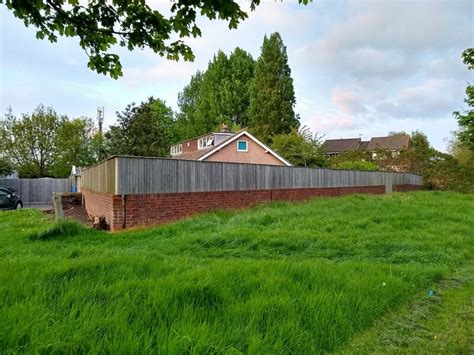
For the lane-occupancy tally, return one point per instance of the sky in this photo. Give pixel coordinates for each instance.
(361, 68)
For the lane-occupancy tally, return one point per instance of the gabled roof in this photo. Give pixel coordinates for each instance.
(237, 136)
(389, 143)
(201, 152)
(340, 145)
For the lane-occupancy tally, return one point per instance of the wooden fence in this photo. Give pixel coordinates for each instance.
(36, 191)
(123, 175)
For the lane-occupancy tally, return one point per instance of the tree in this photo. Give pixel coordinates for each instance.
(417, 158)
(300, 148)
(272, 97)
(214, 105)
(46, 143)
(218, 95)
(466, 119)
(144, 130)
(73, 142)
(242, 67)
(6, 167)
(188, 99)
(101, 24)
(29, 141)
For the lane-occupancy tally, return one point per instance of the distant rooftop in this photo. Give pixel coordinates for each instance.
(334, 146)
(340, 145)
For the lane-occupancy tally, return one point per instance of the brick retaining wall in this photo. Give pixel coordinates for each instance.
(150, 209)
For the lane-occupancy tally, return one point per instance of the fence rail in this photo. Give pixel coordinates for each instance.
(36, 191)
(136, 175)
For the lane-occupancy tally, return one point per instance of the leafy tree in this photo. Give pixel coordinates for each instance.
(417, 157)
(214, 105)
(101, 24)
(397, 134)
(45, 143)
(144, 130)
(272, 97)
(466, 119)
(73, 142)
(187, 121)
(6, 167)
(242, 67)
(445, 172)
(29, 141)
(218, 95)
(97, 146)
(300, 148)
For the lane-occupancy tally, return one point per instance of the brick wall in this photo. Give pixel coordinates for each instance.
(149, 209)
(98, 204)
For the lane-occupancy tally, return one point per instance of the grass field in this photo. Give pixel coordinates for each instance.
(348, 275)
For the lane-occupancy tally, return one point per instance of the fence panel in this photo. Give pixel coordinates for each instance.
(37, 191)
(100, 177)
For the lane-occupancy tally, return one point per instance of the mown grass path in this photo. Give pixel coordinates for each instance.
(282, 278)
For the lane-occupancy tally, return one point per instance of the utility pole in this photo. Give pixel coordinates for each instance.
(100, 117)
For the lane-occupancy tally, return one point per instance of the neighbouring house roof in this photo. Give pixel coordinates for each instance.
(193, 155)
(202, 154)
(350, 144)
(363, 145)
(340, 145)
(205, 135)
(389, 143)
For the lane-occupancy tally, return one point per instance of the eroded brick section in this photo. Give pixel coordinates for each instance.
(406, 188)
(98, 204)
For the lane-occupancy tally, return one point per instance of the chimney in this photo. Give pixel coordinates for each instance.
(224, 128)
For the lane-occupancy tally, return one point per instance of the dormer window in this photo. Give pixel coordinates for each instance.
(176, 149)
(205, 142)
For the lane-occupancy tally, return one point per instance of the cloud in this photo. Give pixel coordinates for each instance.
(160, 71)
(349, 102)
(431, 100)
(392, 38)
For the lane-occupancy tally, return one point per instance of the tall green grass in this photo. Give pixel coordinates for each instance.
(280, 278)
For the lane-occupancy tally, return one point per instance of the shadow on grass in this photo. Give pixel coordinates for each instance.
(62, 230)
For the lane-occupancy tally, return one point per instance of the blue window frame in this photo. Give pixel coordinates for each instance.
(242, 146)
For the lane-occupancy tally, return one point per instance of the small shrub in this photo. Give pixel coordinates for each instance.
(357, 165)
(62, 229)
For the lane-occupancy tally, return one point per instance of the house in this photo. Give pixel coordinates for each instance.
(334, 147)
(240, 147)
(394, 144)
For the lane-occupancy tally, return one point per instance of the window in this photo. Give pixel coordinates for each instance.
(242, 146)
(205, 142)
(176, 149)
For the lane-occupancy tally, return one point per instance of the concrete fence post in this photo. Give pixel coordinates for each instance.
(58, 206)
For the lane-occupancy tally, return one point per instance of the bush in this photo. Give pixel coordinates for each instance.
(356, 165)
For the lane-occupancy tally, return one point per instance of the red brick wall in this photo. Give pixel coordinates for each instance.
(98, 204)
(149, 209)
